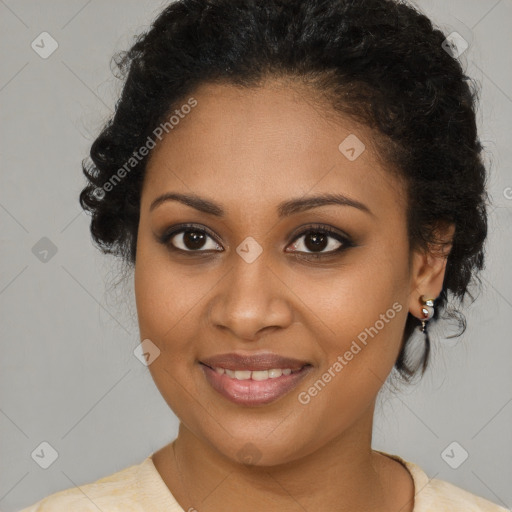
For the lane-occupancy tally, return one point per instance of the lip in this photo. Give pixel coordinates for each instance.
(253, 362)
(253, 392)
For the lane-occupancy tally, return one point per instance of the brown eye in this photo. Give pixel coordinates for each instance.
(190, 239)
(318, 242)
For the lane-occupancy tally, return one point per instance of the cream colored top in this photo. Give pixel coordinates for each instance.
(140, 488)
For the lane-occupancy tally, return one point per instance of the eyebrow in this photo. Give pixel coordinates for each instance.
(284, 209)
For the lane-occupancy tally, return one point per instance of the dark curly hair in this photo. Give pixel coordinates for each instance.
(381, 62)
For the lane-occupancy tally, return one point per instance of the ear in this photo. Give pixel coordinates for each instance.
(428, 267)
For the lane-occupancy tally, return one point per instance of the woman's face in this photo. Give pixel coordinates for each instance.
(243, 280)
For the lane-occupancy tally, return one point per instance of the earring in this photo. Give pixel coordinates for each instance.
(427, 309)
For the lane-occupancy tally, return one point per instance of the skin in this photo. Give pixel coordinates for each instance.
(263, 146)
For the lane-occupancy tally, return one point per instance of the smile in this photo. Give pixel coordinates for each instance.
(253, 388)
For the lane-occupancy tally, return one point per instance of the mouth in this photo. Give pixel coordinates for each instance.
(247, 386)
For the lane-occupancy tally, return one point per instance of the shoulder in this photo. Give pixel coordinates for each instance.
(118, 491)
(433, 495)
(440, 495)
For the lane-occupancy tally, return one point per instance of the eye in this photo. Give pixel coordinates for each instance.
(320, 241)
(190, 238)
(315, 242)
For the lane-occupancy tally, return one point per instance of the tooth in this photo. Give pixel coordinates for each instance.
(255, 375)
(242, 374)
(260, 375)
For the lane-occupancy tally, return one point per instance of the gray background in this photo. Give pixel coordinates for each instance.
(68, 373)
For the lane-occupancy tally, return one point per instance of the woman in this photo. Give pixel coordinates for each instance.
(299, 189)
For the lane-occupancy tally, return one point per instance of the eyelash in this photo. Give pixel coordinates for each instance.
(317, 228)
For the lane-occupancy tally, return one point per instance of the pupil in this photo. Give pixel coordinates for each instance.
(193, 239)
(318, 241)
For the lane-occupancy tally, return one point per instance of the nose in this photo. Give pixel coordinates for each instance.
(251, 299)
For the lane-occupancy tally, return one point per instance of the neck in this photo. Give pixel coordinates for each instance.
(342, 475)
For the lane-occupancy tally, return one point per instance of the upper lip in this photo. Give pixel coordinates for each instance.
(253, 362)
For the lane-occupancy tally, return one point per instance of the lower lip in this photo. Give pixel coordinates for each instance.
(253, 392)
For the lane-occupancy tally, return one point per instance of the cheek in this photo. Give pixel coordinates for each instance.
(352, 297)
(163, 301)
(165, 295)
(362, 308)
(360, 346)
(165, 307)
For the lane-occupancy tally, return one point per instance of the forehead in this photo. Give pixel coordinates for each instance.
(265, 144)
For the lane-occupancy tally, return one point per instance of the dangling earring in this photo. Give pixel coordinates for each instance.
(427, 309)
